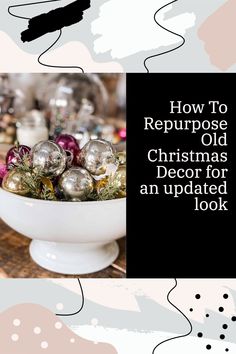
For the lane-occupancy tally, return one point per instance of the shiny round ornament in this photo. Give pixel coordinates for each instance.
(3, 172)
(76, 183)
(15, 154)
(69, 158)
(121, 157)
(119, 179)
(13, 182)
(68, 142)
(98, 157)
(48, 159)
(47, 183)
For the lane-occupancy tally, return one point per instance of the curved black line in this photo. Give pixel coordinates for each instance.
(166, 29)
(26, 4)
(57, 66)
(190, 324)
(60, 33)
(81, 307)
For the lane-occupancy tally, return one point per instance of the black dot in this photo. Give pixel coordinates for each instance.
(207, 315)
(221, 309)
(222, 336)
(233, 318)
(197, 296)
(226, 349)
(225, 296)
(191, 310)
(225, 326)
(208, 346)
(200, 334)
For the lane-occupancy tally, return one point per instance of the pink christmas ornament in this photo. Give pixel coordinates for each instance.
(15, 153)
(3, 172)
(69, 143)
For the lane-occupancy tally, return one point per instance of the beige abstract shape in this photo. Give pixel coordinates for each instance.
(13, 59)
(218, 34)
(32, 329)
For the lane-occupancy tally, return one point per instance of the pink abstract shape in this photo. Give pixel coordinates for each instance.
(32, 329)
(218, 34)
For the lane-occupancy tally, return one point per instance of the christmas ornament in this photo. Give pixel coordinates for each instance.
(46, 172)
(76, 183)
(119, 179)
(47, 183)
(15, 154)
(13, 182)
(69, 158)
(3, 170)
(68, 142)
(98, 157)
(48, 159)
(121, 157)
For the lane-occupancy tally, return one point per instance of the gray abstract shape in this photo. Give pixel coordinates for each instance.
(191, 57)
(151, 317)
(78, 32)
(212, 327)
(38, 291)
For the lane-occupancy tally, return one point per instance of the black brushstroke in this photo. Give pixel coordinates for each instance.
(166, 29)
(55, 20)
(190, 324)
(57, 39)
(81, 306)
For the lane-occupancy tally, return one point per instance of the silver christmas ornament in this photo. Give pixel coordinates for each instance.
(69, 158)
(121, 157)
(119, 179)
(98, 157)
(76, 183)
(48, 158)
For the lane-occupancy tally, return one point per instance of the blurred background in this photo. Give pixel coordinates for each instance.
(35, 107)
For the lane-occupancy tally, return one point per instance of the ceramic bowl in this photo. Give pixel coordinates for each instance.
(68, 237)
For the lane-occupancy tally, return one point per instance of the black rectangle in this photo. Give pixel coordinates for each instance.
(166, 236)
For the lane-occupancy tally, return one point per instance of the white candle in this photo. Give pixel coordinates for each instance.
(32, 129)
(31, 135)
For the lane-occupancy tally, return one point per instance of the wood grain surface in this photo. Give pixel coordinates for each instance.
(15, 260)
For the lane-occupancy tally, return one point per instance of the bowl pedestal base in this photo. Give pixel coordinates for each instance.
(71, 258)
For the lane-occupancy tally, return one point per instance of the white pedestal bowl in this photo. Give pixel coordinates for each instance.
(68, 237)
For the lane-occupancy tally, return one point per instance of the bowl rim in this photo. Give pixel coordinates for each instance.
(13, 195)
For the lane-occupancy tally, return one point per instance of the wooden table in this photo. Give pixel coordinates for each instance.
(15, 260)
